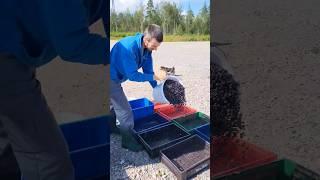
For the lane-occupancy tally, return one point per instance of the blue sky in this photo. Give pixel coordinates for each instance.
(122, 5)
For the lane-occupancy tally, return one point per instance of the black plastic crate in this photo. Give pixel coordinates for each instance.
(279, 170)
(148, 123)
(188, 157)
(159, 138)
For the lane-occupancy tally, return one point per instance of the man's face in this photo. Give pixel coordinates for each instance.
(152, 44)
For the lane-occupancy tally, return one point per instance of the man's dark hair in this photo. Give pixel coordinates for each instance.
(154, 31)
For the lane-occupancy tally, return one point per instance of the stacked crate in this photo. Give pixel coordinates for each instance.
(176, 134)
(89, 146)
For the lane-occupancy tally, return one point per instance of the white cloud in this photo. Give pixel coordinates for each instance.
(123, 5)
(184, 12)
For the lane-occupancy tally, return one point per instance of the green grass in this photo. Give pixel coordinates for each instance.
(167, 38)
(119, 35)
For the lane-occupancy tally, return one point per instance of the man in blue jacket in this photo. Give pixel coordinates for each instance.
(31, 35)
(127, 56)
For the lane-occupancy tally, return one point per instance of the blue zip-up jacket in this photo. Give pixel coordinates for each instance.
(127, 56)
(37, 31)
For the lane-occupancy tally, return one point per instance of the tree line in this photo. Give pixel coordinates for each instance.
(166, 14)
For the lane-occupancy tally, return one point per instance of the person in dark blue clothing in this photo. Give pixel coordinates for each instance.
(127, 57)
(31, 35)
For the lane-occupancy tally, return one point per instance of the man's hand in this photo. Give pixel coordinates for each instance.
(160, 75)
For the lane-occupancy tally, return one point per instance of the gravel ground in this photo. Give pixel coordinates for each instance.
(77, 91)
(275, 56)
(191, 60)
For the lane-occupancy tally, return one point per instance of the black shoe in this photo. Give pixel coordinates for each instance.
(130, 142)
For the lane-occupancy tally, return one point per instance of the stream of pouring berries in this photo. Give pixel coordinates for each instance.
(225, 116)
(225, 113)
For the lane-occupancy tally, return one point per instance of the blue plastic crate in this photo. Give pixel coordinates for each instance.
(204, 132)
(141, 108)
(89, 146)
(149, 122)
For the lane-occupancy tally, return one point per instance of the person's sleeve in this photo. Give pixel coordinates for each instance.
(67, 26)
(130, 67)
(147, 68)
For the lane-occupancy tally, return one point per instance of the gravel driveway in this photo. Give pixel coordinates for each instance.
(191, 60)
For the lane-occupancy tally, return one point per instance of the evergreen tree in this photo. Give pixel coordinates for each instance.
(166, 14)
(189, 20)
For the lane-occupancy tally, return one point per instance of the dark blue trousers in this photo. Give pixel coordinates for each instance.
(28, 129)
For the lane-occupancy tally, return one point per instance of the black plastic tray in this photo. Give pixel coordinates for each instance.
(159, 138)
(148, 123)
(188, 157)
